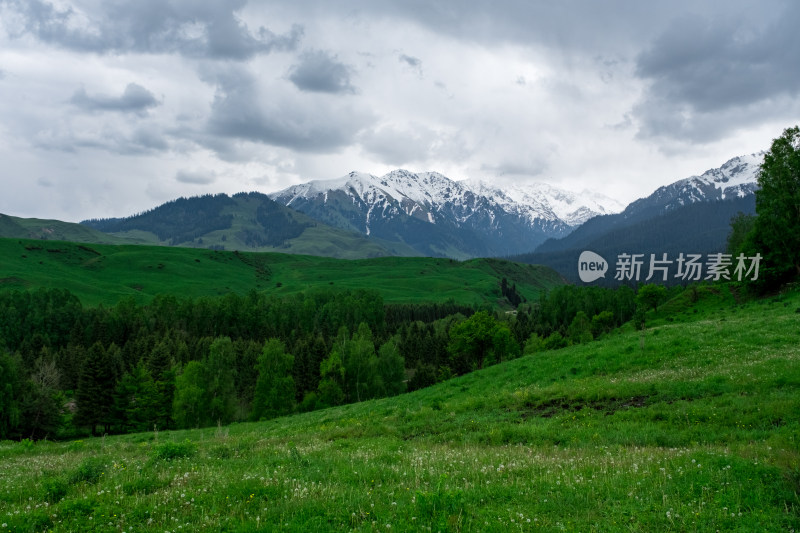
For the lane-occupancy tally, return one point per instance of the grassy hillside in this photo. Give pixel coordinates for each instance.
(35, 228)
(104, 274)
(244, 221)
(691, 425)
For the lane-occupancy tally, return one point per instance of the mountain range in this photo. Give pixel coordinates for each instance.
(691, 215)
(437, 216)
(427, 214)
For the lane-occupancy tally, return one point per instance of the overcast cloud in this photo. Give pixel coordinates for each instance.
(108, 108)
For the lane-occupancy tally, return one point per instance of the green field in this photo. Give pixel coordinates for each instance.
(690, 425)
(103, 274)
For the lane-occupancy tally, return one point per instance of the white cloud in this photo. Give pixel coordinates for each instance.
(107, 108)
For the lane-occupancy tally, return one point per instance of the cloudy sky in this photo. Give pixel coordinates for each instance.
(111, 107)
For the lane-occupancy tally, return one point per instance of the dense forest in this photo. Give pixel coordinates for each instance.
(68, 370)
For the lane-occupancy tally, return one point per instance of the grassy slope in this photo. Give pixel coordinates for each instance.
(104, 274)
(316, 239)
(35, 228)
(689, 426)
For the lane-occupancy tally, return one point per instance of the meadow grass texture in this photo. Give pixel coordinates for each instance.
(690, 425)
(104, 274)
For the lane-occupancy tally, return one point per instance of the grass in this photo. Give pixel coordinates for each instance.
(104, 274)
(691, 425)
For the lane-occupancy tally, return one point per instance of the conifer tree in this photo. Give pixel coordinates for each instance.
(136, 400)
(9, 395)
(95, 394)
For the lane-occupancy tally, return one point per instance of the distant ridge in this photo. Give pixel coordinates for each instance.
(244, 221)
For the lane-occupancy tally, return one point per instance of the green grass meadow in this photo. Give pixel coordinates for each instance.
(103, 274)
(690, 425)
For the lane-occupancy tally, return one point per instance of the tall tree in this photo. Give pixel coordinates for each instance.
(391, 368)
(330, 391)
(9, 395)
(275, 390)
(220, 382)
(776, 234)
(360, 364)
(95, 394)
(136, 400)
(478, 340)
(190, 409)
(42, 400)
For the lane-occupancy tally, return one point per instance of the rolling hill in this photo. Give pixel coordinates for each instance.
(106, 273)
(244, 221)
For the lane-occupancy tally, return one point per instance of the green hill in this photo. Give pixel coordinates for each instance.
(105, 274)
(691, 425)
(55, 230)
(244, 221)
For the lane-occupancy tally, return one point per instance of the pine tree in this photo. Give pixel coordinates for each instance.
(9, 395)
(136, 400)
(95, 394)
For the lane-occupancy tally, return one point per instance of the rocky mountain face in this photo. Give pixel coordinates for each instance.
(439, 216)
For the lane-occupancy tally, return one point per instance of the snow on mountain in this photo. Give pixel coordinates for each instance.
(540, 200)
(426, 195)
(435, 215)
(734, 179)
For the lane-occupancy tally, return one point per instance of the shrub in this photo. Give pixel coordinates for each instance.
(90, 470)
(55, 488)
(168, 451)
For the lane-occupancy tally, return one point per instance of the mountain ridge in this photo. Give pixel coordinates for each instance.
(474, 217)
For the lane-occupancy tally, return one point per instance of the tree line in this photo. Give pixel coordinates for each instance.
(67, 370)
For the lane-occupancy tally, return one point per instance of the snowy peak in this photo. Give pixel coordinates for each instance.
(736, 178)
(426, 194)
(432, 214)
(540, 200)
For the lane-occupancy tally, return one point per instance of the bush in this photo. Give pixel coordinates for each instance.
(55, 488)
(90, 470)
(168, 451)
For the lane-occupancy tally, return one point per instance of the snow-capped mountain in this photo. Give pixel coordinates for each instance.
(540, 200)
(734, 179)
(435, 215)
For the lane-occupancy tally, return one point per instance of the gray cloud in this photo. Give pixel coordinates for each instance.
(196, 29)
(306, 124)
(320, 71)
(699, 70)
(134, 99)
(399, 146)
(112, 140)
(196, 177)
(413, 62)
